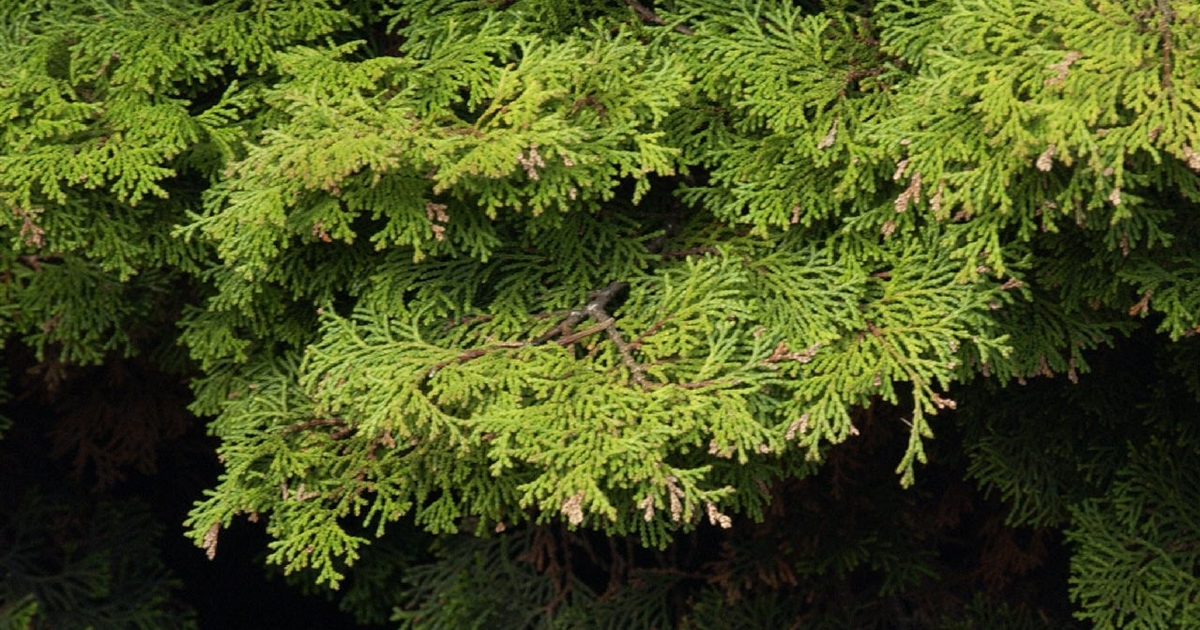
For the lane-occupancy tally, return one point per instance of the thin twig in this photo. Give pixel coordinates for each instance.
(314, 423)
(587, 332)
(475, 353)
(572, 319)
(599, 298)
(650, 16)
(1167, 15)
(683, 253)
(699, 384)
(649, 332)
(636, 371)
(596, 309)
(466, 321)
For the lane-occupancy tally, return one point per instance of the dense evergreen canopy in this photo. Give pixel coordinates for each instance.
(647, 314)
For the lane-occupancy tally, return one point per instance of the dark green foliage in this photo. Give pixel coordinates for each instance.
(95, 567)
(840, 549)
(628, 270)
(1146, 525)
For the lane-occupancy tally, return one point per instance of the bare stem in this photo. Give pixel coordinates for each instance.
(636, 371)
(314, 423)
(596, 309)
(1166, 17)
(650, 16)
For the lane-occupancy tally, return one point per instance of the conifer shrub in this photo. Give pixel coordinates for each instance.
(649, 313)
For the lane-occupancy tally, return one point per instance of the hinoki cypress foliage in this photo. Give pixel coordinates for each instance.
(636, 272)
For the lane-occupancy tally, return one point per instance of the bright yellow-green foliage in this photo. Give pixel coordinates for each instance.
(622, 266)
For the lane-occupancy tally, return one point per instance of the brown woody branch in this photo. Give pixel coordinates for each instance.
(596, 299)
(467, 321)
(783, 353)
(650, 16)
(1166, 16)
(314, 423)
(649, 332)
(343, 428)
(474, 353)
(636, 371)
(691, 251)
(702, 384)
(587, 332)
(565, 326)
(596, 309)
(564, 334)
